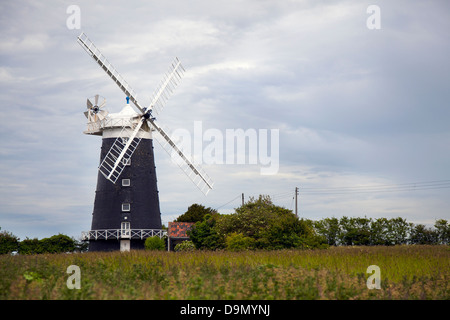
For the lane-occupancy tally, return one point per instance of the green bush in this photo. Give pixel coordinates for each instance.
(155, 243)
(185, 246)
(237, 242)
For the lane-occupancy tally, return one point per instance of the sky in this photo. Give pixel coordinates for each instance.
(359, 99)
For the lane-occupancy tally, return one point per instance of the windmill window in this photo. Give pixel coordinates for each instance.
(126, 207)
(126, 182)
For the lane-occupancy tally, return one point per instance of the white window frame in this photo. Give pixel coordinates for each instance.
(126, 182)
(124, 209)
(125, 229)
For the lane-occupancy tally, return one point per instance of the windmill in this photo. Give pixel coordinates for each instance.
(126, 207)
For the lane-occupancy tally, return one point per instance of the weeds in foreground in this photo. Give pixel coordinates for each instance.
(407, 272)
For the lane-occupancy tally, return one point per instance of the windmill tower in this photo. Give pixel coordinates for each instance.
(126, 207)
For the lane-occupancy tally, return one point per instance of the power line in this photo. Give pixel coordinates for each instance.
(382, 188)
(281, 195)
(228, 202)
(287, 196)
(435, 182)
(292, 202)
(412, 186)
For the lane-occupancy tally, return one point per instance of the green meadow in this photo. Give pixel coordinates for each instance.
(407, 272)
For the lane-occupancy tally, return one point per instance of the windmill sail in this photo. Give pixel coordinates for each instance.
(120, 154)
(194, 172)
(113, 164)
(92, 50)
(170, 80)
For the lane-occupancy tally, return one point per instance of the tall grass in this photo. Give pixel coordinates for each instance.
(407, 272)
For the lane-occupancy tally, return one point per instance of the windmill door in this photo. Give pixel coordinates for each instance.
(124, 245)
(125, 230)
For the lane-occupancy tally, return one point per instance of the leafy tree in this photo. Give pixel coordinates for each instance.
(155, 243)
(81, 246)
(57, 244)
(287, 231)
(204, 234)
(195, 213)
(398, 230)
(250, 219)
(422, 235)
(379, 232)
(363, 231)
(443, 231)
(30, 246)
(270, 226)
(8, 242)
(329, 229)
(355, 231)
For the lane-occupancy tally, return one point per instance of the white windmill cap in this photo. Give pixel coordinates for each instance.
(127, 117)
(127, 112)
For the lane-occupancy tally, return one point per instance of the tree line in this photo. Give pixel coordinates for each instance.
(260, 224)
(54, 244)
(380, 231)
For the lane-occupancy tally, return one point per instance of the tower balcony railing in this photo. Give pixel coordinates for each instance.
(118, 234)
(108, 122)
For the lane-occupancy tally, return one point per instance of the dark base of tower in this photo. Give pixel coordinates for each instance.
(114, 245)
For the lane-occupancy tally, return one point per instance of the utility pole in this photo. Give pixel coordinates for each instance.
(296, 201)
(242, 198)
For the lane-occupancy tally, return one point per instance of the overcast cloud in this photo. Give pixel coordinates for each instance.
(354, 107)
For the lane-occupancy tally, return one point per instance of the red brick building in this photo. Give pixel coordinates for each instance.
(177, 233)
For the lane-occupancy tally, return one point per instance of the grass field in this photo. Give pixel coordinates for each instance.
(407, 272)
